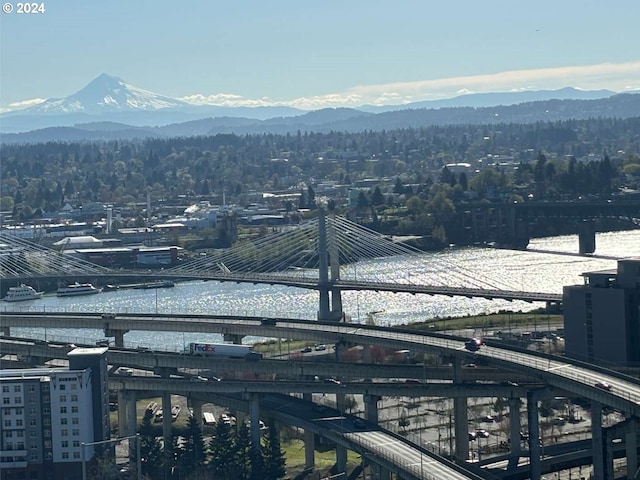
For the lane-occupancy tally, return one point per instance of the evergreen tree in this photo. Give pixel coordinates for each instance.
(221, 449)
(193, 450)
(151, 455)
(242, 453)
(274, 460)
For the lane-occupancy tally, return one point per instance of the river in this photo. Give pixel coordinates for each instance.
(548, 265)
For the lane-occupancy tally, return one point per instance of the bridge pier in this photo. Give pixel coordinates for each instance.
(587, 237)
(167, 433)
(460, 417)
(117, 334)
(631, 445)
(309, 440)
(371, 407)
(236, 339)
(254, 417)
(196, 407)
(341, 450)
(535, 448)
(598, 442)
(132, 421)
(514, 431)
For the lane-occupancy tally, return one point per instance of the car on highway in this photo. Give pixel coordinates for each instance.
(473, 345)
(306, 349)
(332, 380)
(321, 347)
(603, 385)
(482, 433)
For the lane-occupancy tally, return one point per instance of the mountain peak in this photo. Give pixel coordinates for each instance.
(107, 93)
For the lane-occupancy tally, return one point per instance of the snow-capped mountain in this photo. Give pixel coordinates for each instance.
(107, 93)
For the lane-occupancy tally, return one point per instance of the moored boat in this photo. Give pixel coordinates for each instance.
(75, 289)
(21, 293)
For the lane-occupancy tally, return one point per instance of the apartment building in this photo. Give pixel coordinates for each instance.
(47, 414)
(602, 317)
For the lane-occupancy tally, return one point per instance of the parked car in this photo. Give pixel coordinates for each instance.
(603, 385)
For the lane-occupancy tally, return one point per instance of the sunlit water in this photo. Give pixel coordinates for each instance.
(471, 267)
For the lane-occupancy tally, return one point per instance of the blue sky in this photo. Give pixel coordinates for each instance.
(314, 54)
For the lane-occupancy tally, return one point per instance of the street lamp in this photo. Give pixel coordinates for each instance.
(83, 446)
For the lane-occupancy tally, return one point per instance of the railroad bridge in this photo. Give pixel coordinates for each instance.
(511, 224)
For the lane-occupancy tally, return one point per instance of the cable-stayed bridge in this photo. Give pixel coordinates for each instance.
(322, 254)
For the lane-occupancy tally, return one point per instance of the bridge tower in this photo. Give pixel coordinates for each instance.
(330, 308)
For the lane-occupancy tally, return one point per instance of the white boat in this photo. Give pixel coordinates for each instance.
(75, 289)
(21, 293)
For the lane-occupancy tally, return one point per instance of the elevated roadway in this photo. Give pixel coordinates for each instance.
(571, 375)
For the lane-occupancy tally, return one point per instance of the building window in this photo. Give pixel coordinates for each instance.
(45, 387)
(76, 443)
(31, 388)
(33, 446)
(34, 456)
(33, 422)
(75, 432)
(18, 422)
(63, 409)
(64, 432)
(63, 386)
(74, 409)
(6, 411)
(74, 398)
(6, 401)
(46, 410)
(46, 421)
(17, 388)
(76, 454)
(20, 433)
(32, 400)
(46, 399)
(65, 455)
(18, 400)
(63, 421)
(7, 423)
(8, 434)
(63, 398)
(5, 389)
(18, 411)
(75, 421)
(20, 445)
(47, 433)
(32, 410)
(33, 434)
(65, 443)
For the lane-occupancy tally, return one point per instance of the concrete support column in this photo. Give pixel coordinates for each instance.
(631, 444)
(341, 459)
(132, 413)
(233, 338)
(254, 417)
(366, 354)
(167, 433)
(534, 436)
(597, 442)
(371, 407)
(132, 421)
(460, 417)
(309, 440)
(609, 435)
(122, 413)
(196, 406)
(378, 472)
(514, 430)
(117, 334)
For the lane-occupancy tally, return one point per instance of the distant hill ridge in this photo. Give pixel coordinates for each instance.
(110, 108)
